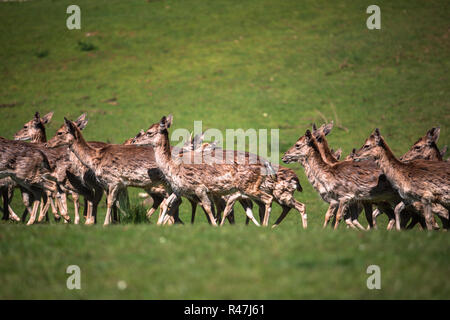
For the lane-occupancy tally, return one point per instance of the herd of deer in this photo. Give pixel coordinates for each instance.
(410, 190)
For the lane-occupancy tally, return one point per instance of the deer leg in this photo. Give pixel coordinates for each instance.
(89, 208)
(343, 206)
(193, 210)
(247, 204)
(333, 207)
(54, 208)
(110, 201)
(8, 212)
(166, 207)
(10, 194)
(63, 206)
(301, 208)
(283, 214)
(230, 202)
(157, 199)
(355, 209)
(26, 199)
(375, 214)
(398, 209)
(207, 204)
(428, 213)
(61, 202)
(169, 217)
(45, 204)
(76, 204)
(5, 203)
(369, 214)
(33, 212)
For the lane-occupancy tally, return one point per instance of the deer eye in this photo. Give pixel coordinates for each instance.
(366, 146)
(25, 127)
(417, 147)
(60, 133)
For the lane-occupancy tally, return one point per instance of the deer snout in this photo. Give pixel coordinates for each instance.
(286, 158)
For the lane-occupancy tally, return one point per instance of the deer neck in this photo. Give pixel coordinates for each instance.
(85, 153)
(325, 152)
(316, 170)
(390, 165)
(39, 136)
(163, 158)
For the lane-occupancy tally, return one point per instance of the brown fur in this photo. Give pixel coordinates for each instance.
(418, 180)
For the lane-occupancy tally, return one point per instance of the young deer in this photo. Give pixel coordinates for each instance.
(204, 181)
(30, 168)
(425, 148)
(284, 186)
(7, 186)
(115, 166)
(425, 181)
(344, 182)
(34, 131)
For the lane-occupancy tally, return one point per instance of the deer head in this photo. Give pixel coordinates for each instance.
(68, 132)
(34, 128)
(155, 135)
(300, 149)
(425, 148)
(372, 148)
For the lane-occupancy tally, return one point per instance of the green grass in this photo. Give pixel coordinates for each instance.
(226, 63)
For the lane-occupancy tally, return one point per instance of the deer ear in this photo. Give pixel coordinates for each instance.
(314, 127)
(37, 118)
(328, 127)
(377, 135)
(69, 125)
(308, 135)
(169, 121)
(338, 153)
(433, 134)
(165, 122)
(47, 118)
(81, 121)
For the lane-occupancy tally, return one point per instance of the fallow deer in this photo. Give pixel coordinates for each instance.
(204, 180)
(329, 157)
(344, 182)
(34, 131)
(284, 186)
(115, 166)
(425, 181)
(29, 166)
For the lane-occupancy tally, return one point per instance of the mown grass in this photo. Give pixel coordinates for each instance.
(232, 64)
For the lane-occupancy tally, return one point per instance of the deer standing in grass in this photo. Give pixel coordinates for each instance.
(344, 182)
(204, 181)
(283, 187)
(424, 148)
(116, 167)
(7, 186)
(424, 181)
(34, 131)
(30, 168)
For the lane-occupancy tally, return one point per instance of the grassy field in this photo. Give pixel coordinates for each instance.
(232, 64)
